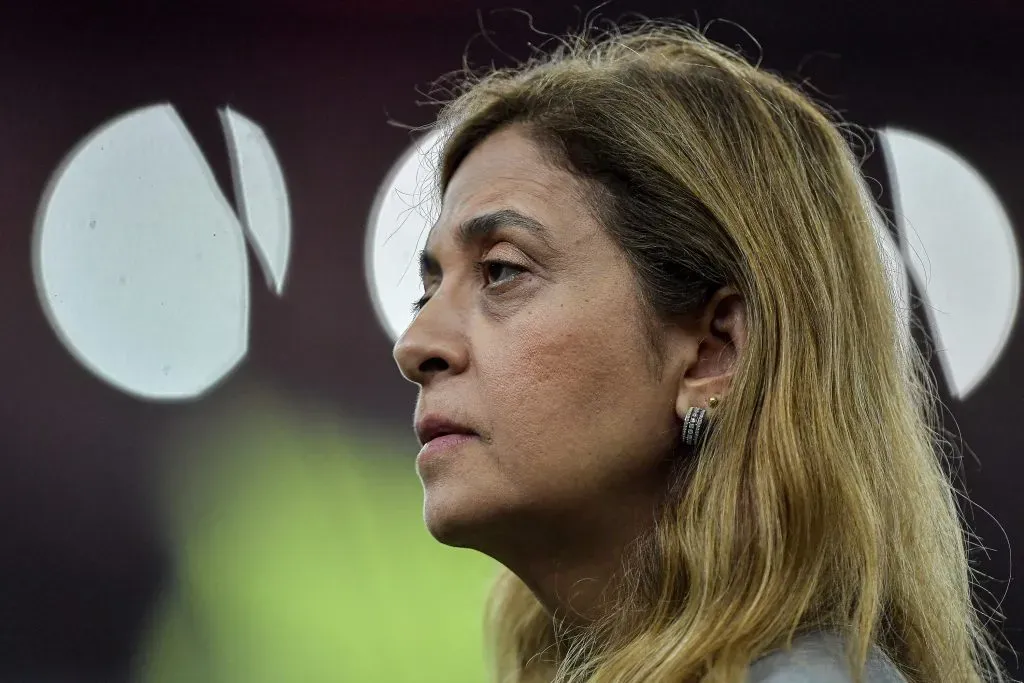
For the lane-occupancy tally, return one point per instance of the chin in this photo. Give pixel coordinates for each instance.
(450, 532)
(447, 523)
(458, 521)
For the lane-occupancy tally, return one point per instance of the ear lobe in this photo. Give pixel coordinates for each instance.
(711, 374)
(698, 392)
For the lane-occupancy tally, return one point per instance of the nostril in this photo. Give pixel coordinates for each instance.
(434, 364)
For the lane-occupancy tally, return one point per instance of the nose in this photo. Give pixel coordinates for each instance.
(435, 343)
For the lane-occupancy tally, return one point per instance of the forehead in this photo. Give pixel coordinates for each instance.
(507, 170)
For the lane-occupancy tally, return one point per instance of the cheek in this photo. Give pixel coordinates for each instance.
(566, 386)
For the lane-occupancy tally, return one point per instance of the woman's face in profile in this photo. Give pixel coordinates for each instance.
(532, 339)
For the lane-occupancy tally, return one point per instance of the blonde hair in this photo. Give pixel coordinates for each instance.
(819, 500)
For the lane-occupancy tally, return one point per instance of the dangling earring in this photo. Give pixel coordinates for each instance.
(695, 423)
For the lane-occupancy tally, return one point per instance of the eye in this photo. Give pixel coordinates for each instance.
(495, 270)
(418, 305)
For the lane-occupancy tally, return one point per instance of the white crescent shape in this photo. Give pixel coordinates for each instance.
(403, 211)
(960, 248)
(261, 195)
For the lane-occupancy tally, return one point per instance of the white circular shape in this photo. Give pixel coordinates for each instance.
(406, 206)
(140, 260)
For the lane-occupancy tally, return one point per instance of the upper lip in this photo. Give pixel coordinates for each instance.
(432, 426)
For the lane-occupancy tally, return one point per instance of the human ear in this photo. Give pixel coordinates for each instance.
(720, 332)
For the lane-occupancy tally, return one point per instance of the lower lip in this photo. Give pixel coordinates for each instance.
(443, 444)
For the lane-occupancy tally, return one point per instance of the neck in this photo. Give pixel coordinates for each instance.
(576, 573)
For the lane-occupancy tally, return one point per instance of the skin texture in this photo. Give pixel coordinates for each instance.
(547, 361)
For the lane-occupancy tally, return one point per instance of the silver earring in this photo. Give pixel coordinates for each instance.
(695, 423)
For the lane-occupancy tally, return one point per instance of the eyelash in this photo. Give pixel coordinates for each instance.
(481, 268)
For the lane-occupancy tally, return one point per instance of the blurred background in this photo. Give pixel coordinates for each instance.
(206, 453)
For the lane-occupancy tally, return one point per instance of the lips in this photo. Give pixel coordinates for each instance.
(433, 426)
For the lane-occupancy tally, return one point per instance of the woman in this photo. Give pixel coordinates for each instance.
(663, 382)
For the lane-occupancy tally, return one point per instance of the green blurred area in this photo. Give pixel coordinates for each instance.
(301, 556)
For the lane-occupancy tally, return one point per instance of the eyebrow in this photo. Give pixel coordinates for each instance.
(479, 227)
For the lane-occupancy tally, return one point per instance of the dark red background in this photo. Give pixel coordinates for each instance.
(80, 556)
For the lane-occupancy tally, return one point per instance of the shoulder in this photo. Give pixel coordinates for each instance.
(819, 658)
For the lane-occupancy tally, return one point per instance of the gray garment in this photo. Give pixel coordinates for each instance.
(819, 658)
